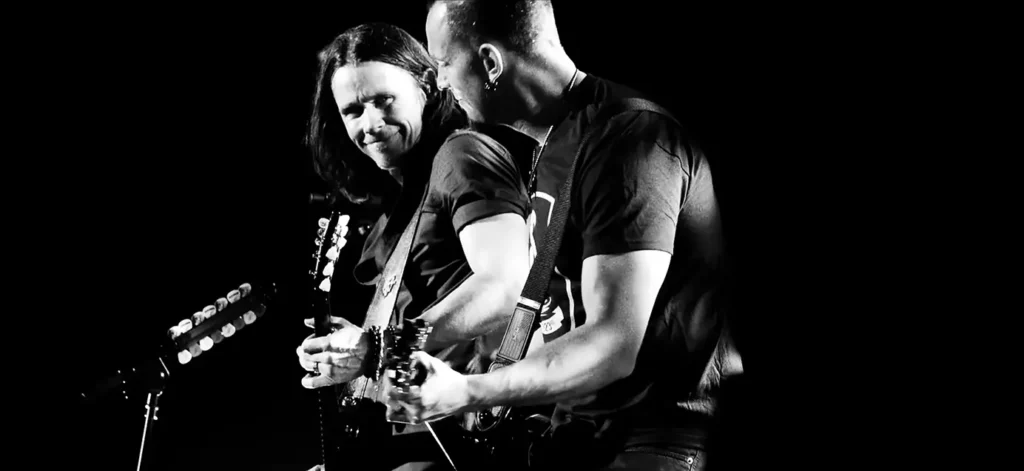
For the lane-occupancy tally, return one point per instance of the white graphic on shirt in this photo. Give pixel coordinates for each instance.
(531, 222)
(552, 323)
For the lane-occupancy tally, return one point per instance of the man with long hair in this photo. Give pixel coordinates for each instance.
(381, 128)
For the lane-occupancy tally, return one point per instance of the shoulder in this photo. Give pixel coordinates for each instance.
(612, 121)
(466, 145)
(633, 136)
(471, 152)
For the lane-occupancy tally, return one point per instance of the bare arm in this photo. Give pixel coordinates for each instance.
(497, 251)
(619, 292)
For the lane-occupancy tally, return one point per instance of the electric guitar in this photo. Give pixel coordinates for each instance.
(505, 444)
(353, 415)
(187, 340)
(184, 342)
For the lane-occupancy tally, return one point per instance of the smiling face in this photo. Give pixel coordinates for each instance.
(382, 108)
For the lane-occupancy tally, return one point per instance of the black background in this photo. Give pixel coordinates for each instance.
(185, 176)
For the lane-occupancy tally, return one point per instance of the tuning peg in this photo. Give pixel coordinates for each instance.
(344, 219)
(249, 317)
(332, 253)
(184, 357)
(195, 350)
(221, 304)
(259, 309)
(234, 295)
(217, 336)
(227, 330)
(323, 222)
(198, 318)
(239, 324)
(244, 289)
(175, 332)
(209, 311)
(329, 268)
(325, 285)
(186, 325)
(205, 344)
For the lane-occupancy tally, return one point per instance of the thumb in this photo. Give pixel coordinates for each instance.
(424, 360)
(340, 322)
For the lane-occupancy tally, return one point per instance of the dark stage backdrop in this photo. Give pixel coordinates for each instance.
(189, 178)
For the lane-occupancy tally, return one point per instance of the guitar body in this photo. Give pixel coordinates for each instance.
(499, 438)
(354, 424)
(508, 447)
(362, 411)
(358, 426)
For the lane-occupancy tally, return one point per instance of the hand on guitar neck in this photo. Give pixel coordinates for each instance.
(337, 357)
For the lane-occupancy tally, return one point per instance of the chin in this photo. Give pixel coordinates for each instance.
(386, 162)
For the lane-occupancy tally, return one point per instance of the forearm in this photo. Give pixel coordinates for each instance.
(576, 365)
(480, 305)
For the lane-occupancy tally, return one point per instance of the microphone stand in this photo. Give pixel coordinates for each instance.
(150, 379)
(150, 376)
(155, 387)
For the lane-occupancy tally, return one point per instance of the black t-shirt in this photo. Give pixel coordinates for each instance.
(641, 184)
(473, 176)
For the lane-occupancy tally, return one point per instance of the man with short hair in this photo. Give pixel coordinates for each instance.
(633, 342)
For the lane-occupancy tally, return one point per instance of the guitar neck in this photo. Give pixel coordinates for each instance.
(149, 371)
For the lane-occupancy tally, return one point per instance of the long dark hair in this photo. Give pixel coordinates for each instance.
(335, 158)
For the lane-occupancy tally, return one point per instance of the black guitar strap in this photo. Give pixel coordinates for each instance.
(526, 317)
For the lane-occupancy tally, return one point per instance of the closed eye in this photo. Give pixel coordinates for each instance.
(380, 102)
(352, 111)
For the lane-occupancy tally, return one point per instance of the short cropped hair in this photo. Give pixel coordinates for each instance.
(514, 23)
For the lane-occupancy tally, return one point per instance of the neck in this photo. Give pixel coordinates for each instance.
(396, 174)
(538, 87)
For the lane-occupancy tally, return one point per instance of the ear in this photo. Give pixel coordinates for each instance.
(429, 81)
(429, 77)
(493, 62)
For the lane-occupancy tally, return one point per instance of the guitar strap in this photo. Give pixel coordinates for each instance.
(385, 293)
(526, 317)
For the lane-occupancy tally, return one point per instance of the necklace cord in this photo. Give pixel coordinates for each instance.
(540, 149)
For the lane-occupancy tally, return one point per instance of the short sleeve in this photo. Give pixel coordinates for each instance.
(630, 187)
(475, 177)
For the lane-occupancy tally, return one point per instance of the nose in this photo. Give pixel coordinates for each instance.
(372, 120)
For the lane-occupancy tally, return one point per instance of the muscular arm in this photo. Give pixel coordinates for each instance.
(497, 251)
(619, 292)
(630, 193)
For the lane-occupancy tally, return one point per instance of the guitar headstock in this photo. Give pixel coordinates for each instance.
(330, 240)
(188, 339)
(227, 315)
